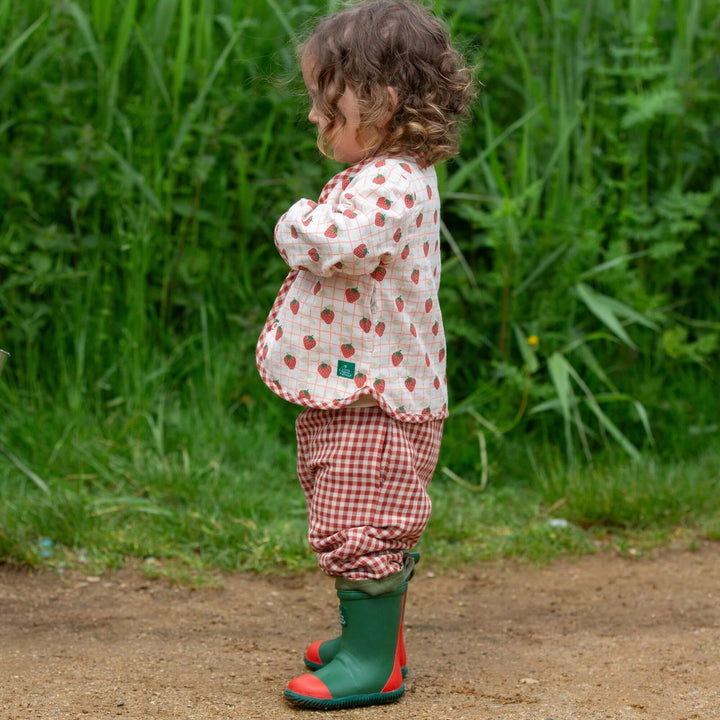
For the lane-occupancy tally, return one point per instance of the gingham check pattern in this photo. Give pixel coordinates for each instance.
(365, 478)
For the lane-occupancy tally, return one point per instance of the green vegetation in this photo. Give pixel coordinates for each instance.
(146, 150)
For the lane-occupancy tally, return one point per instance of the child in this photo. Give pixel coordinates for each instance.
(356, 335)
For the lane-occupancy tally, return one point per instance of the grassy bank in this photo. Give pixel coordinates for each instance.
(146, 152)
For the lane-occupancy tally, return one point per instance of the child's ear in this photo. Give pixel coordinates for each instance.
(391, 105)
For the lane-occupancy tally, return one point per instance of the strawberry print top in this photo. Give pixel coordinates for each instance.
(358, 314)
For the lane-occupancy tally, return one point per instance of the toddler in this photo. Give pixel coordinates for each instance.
(356, 334)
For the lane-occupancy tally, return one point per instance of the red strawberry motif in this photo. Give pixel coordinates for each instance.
(397, 235)
(429, 192)
(399, 303)
(278, 332)
(427, 359)
(380, 385)
(309, 342)
(380, 163)
(410, 383)
(426, 411)
(350, 214)
(331, 232)
(347, 350)
(347, 180)
(397, 358)
(436, 383)
(338, 265)
(324, 369)
(327, 315)
(405, 252)
(441, 354)
(360, 379)
(435, 217)
(312, 204)
(317, 287)
(436, 328)
(418, 220)
(426, 248)
(405, 167)
(428, 305)
(304, 394)
(306, 221)
(384, 203)
(265, 351)
(293, 232)
(379, 179)
(314, 254)
(290, 361)
(380, 329)
(415, 276)
(294, 306)
(379, 220)
(366, 325)
(360, 251)
(352, 295)
(378, 273)
(413, 330)
(409, 201)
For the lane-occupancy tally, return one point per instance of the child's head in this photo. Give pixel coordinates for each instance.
(385, 79)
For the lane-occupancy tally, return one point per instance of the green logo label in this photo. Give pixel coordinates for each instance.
(346, 369)
(343, 617)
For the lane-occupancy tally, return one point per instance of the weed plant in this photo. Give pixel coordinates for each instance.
(146, 151)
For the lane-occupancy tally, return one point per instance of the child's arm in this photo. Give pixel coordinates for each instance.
(353, 235)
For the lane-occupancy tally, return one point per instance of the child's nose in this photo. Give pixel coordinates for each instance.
(313, 116)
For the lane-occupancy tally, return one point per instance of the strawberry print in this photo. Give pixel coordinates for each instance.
(426, 248)
(380, 328)
(309, 342)
(405, 252)
(360, 379)
(379, 179)
(399, 303)
(380, 163)
(379, 385)
(406, 167)
(294, 306)
(346, 181)
(360, 251)
(306, 221)
(379, 220)
(352, 295)
(316, 289)
(441, 354)
(331, 232)
(435, 328)
(409, 201)
(293, 232)
(265, 351)
(350, 214)
(384, 203)
(397, 235)
(410, 384)
(435, 217)
(347, 350)
(413, 330)
(418, 220)
(290, 361)
(327, 315)
(305, 394)
(429, 192)
(314, 254)
(397, 358)
(378, 273)
(415, 276)
(366, 325)
(436, 383)
(278, 332)
(324, 369)
(428, 305)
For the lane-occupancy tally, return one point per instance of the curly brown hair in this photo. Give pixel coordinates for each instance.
(381, 44)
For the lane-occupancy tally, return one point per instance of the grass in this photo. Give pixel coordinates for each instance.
(146, 152)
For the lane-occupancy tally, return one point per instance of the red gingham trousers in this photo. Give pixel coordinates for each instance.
(365, 478)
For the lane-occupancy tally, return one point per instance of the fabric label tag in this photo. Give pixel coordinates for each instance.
(346, 369)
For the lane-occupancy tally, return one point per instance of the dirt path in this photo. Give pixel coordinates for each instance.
(600, 637)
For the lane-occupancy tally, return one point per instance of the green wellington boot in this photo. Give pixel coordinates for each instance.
(366, 667)
(321, 652)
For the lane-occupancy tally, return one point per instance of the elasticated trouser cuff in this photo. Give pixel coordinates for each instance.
(382, 586)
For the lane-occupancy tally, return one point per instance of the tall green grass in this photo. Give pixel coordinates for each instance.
(146, 150)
